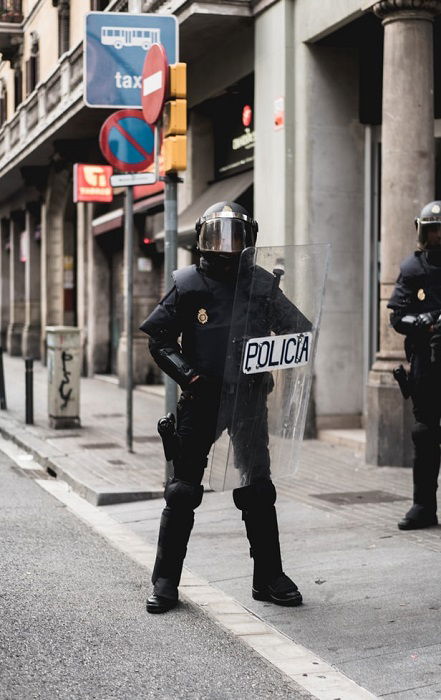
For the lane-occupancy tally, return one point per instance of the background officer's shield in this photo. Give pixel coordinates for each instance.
(269, 364)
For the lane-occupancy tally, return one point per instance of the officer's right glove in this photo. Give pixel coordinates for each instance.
(425, 321)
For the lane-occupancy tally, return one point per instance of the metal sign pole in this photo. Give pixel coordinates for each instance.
(170, 264)
(156, 152)
(135, 6)
(128, 249)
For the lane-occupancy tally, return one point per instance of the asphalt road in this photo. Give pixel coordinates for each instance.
(73, 621)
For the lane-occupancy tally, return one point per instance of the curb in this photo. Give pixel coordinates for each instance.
(53, 461)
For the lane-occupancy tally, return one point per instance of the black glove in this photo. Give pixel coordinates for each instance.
(426, 320)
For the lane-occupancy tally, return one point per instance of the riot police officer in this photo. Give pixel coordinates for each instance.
(416, 309)
(188, 336)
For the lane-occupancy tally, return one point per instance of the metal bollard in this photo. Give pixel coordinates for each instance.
(29, 383)
(2, 383)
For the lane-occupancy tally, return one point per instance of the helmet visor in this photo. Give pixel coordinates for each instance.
(429, 233)
(223, 235)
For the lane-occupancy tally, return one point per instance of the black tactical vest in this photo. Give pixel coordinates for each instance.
(203, 313)
(418, 288)
(200, 310)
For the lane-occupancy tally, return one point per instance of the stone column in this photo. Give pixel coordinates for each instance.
(4, 280)
(52, 252)
(43, 290)
(16, 286)
(32, 327)
(146, 286)
(139, 342)
(407, 183)
(98, 302)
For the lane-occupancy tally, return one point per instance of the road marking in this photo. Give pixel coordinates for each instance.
(297, 662)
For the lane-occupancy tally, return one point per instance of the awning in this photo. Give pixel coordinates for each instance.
(227, 190)
(115, 219)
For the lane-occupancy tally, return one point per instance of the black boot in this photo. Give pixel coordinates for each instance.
(269, 581)
(418, 517)
(174, 532)
(259, 514)
(281, 591)
(425, 478)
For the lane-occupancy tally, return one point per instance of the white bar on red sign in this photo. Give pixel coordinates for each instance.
(152, 83)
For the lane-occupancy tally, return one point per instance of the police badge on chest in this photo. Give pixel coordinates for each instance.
(202, 316)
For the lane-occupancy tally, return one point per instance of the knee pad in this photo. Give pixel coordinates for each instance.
(423, 434)
(182, 494)
(261, 494)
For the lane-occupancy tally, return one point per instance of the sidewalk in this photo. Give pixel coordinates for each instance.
(372, 593)
(93, 459)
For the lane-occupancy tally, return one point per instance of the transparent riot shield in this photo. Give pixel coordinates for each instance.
(269, 364)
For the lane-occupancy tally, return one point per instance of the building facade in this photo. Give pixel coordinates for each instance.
(320, 117)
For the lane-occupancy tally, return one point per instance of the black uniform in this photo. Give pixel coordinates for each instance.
(198, 311)
(418, 291)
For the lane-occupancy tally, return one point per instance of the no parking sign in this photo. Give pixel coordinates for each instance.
(127, 142)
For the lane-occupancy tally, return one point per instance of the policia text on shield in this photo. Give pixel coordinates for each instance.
(276, 352)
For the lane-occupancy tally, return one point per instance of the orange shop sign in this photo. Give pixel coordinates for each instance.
(92, 183)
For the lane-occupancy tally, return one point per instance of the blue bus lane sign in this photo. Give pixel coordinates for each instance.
(116, 44)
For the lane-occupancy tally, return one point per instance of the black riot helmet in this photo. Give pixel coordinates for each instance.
(225, 228)
(430, 216)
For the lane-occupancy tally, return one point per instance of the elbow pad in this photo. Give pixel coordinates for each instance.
(402, 323)
(172, 362)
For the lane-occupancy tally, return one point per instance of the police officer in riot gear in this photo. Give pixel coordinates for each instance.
(416, 313)
(198, 311)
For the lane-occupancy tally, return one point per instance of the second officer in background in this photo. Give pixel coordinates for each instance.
(416, 313)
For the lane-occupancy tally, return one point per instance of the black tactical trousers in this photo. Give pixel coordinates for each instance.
(426, 399)
(200, 421)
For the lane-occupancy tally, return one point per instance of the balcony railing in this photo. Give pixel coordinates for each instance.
(39, 113)
(11, 11)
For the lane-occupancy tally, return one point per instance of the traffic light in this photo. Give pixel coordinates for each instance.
(175, 120)
(178, 81)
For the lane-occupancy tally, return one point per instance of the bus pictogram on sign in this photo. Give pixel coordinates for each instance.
(130, 36)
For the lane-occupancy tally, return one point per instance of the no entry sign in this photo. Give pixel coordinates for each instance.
(154, 83)
(126, 141)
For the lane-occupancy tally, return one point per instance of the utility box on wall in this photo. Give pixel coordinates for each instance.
(64, 368)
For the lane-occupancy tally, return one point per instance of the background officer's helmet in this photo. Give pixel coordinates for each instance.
(225, 227)
(430, 215)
